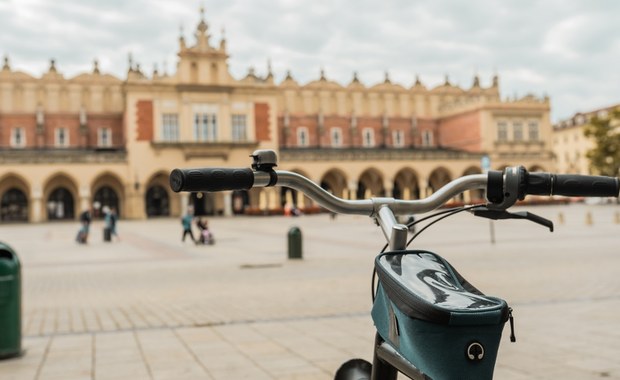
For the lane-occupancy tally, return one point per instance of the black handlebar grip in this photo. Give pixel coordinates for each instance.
(572, 185)
(585, 185)
(211, 179)
(538, 184)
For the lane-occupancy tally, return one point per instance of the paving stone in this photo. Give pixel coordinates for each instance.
(151, 307)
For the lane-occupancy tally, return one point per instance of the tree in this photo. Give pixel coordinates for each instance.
(605, 156)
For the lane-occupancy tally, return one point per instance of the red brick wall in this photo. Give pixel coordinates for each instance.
(427, 125)
(261, 119)
(310, 122)
(344, 122)
(461, 131)
(369, 122)
(69, 122)
(9, 121)
(400, 124)
(112, 121)
(341, 122)
(144, 120)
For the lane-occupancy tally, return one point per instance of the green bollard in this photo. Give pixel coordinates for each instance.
(10, 303)
(294, 243)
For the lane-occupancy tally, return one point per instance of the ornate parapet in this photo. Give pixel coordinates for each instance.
(464, 104)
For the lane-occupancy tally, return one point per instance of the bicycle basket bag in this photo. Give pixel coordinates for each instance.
(434, 318)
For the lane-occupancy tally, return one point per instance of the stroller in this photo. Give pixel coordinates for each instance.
(206, 236)
(81, 235)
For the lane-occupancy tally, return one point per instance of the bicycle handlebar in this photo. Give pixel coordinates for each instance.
(514, 184)
(502, 190)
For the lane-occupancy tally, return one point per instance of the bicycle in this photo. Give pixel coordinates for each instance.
(431, 323)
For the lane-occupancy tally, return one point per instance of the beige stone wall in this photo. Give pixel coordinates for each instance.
(571, 145)
(82, 180)
(444, 132)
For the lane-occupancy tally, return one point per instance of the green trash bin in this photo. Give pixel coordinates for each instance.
(10, 303)
(294, 243)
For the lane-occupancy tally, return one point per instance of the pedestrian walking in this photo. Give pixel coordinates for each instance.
(186, 221)
(110, 220)
(85, 219)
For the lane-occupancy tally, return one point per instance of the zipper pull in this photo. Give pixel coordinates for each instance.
(513, 338)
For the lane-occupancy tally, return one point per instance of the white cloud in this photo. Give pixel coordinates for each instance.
(557, 47)
(525, 75)
(559, 39)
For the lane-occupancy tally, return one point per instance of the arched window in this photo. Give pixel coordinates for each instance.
(106, 197)
(240, 201)
(203, 203)
(157, 202)
(60, 205)
(14, 206)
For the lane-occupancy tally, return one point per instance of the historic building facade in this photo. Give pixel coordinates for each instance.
(570, 144)
(96, 140)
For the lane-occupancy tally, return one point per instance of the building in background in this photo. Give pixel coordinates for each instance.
(570, 144)
(67, 144)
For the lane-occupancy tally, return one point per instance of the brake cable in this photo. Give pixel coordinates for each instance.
(444, 214)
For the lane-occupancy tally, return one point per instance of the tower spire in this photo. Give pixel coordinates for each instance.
(202, 35)
(6, 66)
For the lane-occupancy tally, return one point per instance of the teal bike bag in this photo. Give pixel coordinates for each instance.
(434, 318)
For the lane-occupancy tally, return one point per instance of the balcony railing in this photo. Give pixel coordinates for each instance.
(64, 155)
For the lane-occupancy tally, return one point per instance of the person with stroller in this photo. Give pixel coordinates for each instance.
(206, 236)
(186, 222)
(110, 220)
(85, 219)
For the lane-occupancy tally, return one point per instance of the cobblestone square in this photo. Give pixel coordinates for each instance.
(151, 307)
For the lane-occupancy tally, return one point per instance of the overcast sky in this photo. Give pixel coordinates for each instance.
(567, 49)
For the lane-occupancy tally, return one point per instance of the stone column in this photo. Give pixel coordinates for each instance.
(184, 201)
(37, 206)
(388, 187)
(135, 206)
(228, 211)
(352, 190)
(85, 202)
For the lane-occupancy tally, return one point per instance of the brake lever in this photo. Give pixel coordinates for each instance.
(484, 212)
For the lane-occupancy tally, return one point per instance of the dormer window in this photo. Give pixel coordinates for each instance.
(336, 137)
(61, 137)
(83, 117)
(398, 139)
(368, 138)
(302, 137)
(18, 137)
(427, 138)
(104, 137)
(40, 116)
